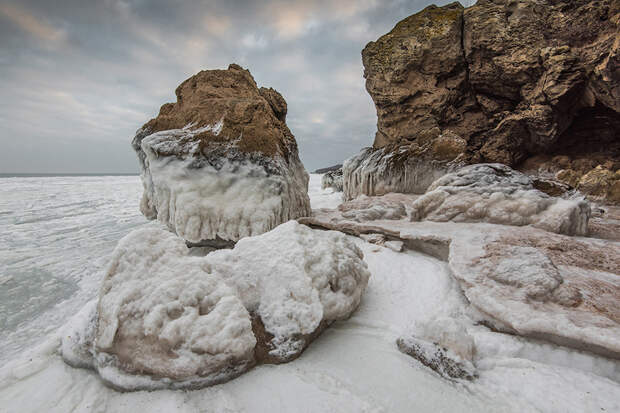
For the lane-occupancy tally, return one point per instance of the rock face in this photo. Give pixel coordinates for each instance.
(496, 194)
(332, 179)
(167, 319)
(222, 147)
(501, 81)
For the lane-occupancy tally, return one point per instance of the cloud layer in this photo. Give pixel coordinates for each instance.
(78, 78)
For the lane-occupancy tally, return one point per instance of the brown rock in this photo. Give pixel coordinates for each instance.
(512, 79)
(222, 144)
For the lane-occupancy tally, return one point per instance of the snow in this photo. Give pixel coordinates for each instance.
(204, 196)
(353, 366)
(322, 198)
(497, 194)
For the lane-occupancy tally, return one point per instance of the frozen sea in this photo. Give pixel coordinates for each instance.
(57, 232)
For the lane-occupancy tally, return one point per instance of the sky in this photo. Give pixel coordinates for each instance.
(79, 77)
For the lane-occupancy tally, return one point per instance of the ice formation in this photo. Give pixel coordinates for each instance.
(228, 198)
(332, 179)
(497, 194)
(380, 171)
(165, 318)
(521, 280)
(220, 163)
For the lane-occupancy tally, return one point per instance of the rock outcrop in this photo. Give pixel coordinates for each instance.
(496, 194)
(168, 319)
(220, 163)
(501, 81)
(332, 179)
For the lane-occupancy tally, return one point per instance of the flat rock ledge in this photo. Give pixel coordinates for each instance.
(518, 280)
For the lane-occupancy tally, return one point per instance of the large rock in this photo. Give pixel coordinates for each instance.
(509, 79)
(220, 163)
(497, 194)
(168, 319)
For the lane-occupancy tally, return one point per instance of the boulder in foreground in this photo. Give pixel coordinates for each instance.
(168, 319)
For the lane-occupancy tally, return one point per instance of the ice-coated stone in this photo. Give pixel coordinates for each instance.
(220, 163)
(497, 194)
(332, 179)
(169, 319)
(380, 171)
(442, 344)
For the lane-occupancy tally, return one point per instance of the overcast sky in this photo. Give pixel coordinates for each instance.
(79, 77)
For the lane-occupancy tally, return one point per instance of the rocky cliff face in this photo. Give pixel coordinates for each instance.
(503, 81)
(221, 147)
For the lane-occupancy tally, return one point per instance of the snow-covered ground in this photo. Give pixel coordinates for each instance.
(58, 232)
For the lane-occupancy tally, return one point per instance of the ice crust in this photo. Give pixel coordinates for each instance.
(352, 368)
(378, 172)
(228, 195)
(497, 194)
(332, 179)
(174, 320)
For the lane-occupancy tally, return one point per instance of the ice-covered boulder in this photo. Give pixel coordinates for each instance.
(404, 169)
(169, 319)
(497, 194)
(220, 163)
(332, 179)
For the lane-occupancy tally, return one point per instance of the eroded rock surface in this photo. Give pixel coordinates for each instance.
(220, 163)
(500, 81)
(167, 319)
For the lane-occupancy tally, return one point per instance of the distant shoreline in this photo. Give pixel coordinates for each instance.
(51, 175)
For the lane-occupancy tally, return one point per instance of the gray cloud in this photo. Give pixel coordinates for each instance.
(79, 77)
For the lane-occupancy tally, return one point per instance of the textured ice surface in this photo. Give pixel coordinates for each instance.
(176, 320)
(352, 367)
(56, 235)
(332, 179)
(498, 194)
(378, 172)
(322, 198)
(228, 196)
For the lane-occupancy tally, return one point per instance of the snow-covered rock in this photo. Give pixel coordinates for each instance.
(366, 208)
(442, 344)
(497, 194)
(380, 171)
(332, 179)
(220, 163)
(165, 318)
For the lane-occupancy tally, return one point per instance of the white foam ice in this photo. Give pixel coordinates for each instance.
(228, 198)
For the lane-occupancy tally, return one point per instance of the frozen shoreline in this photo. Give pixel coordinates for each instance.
(354, 366)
